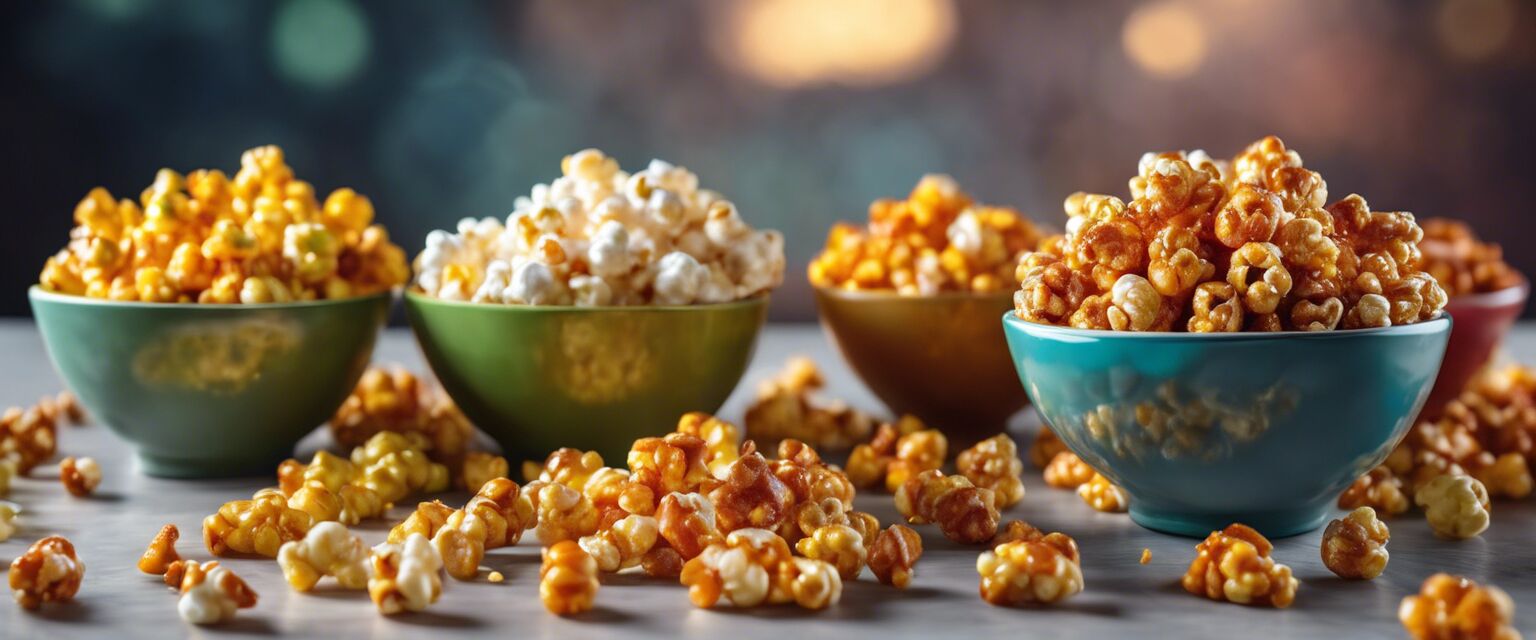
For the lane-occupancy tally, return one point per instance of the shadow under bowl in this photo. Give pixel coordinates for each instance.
(1206, 430)
(538, 378)
(1482, 321)
(204, 390)
(941, 358)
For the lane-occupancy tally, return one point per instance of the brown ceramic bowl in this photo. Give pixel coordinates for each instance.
(941, 358)
(1478, 324)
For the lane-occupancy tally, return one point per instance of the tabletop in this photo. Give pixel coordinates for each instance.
(1121, 597)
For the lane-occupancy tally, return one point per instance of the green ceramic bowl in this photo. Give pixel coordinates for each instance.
(210, 390)
(539, 378)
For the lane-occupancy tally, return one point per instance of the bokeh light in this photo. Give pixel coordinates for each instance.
(1166, 38)
(1475, 30)
(793, 43)
(320, 43)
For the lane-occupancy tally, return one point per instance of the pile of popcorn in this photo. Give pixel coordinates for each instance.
(599, 236)
(936, 240)
(1461, 262)
(263, 236)
(1212, 246)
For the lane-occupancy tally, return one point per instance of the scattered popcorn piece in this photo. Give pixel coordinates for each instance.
(567, 579)
(1067, 471)
(1450, 606)
(327, 550)
(786, 408)
(405, 576)
(1234, 565)
(839, 545)
(1456, 506)
(496, 577)
(80, 476)
(893, 556)
(1355, 546)
(564, 514)
(48, 571)
(1146, 556)
(753, 567)
(1045, 447)
(1045, 570)
(260, 525)
(623, 544)
(8, 511)
(1380, 489)
(1103, 495)
(7, 474)
(994, 464)
(394, 399)
(29, 437)
(965, 513)
(211, 593)
(161, 553)
(916, 452)
(687, 522)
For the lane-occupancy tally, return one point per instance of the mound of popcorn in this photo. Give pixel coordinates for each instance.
(599, 236)
(261, 236)
(1212, 246)
(1463, 263)
(936, 240)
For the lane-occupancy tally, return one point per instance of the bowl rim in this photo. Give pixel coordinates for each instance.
(1011, 322)
(412, 296)
(1513, 295)
(37, 292)
(891, 294)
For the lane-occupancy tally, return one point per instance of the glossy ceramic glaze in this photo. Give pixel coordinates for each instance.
(941, 358)
(1207, 430)
(1482, 320)
(540, 378)
(209, 390)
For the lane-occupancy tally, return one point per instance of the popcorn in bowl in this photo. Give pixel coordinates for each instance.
(261, 236)
(1211, 246)
(600, 236)
(936, 240)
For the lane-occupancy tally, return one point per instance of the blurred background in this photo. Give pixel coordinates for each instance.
(801, 111)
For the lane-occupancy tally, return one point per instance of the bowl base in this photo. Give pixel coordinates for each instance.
(1273, 524)
(179, 468)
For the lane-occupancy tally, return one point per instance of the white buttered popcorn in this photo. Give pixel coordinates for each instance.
(211, 593)
(405, 576)
(599, 236)
(327, 550)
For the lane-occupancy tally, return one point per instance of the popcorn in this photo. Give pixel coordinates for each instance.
(934, 241)
(327, 550)
(599, 237)
(965, 513)
(1234, 565)
(839, 545)
(1461, 262)
(29, 436)
(786, 408)
(567, 579)
(211, 593)
(994, 464)
(687, 522)
(480, 468)
(623, 544)
(7, 474)
(1380, 490)
(8, 511)
(894, 554)
(260, 525)
(564, 514)
(395, 467)
(751, 496)
(405, 576)
(1355, 546)
(754, 567)
(1450, 606)
(260, 237)
(1046, 570)
(161, 553)
(1103, 495)
(394, 399)
(1289, 262)
(1067, 471)
(722, 440)
(48, 571)
(1455, 506)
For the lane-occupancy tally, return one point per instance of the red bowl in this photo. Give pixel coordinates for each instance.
(1479, 322)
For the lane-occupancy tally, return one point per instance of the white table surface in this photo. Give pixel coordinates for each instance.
(1122, 597)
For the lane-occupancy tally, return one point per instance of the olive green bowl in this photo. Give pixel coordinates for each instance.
(941, 358)
(205, 391)
(537, 378)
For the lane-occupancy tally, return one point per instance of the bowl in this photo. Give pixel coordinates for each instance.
(1482, 320)
(537, 378)
(204, 390)
(1206, 430)
(940, 358)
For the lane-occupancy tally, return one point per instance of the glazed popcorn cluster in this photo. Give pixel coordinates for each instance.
(1479, 446)
(599, 236)
(1212, 246)
(936, 240)
(1450, 606)
(1234, 565)
(261, 236)
(394, 399)
(787, 407)
(1463, 263)
(1063, 469)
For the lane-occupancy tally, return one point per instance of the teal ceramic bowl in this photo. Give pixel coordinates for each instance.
(537, 378)
(210, 390)
(1207, 430)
